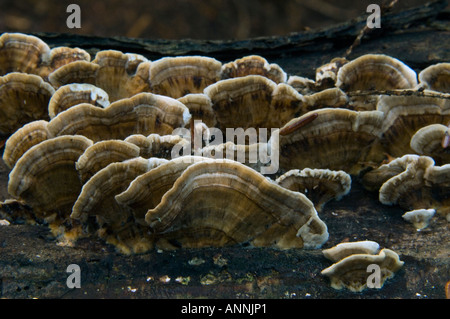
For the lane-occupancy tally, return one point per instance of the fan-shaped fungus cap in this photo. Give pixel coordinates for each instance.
(45, 176)
(302, 85)
(351, 272)
(253, 101)
(326, 75)
(146, 190)
(428, 141)
(343, 250)
(144, 113)
(116, 222)
(103, 153)
(436, 77)
(336, 139)
(332, 97)
(225, 203)
(72, 94)
(319, 185)
(23, 139)
(200, 107)
(29, 54)
(407, 189)
(253, 65)
(23, 98)
(405, 115)
(156, 145)
(178, 76)
(375, 72)
(121, 75)
(420, 218)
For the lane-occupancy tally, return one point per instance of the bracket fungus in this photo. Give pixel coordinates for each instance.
(326, 75)
(375, 72)
(121, 75)
(144, 113)
(253, 101)
(253, 65)
(45, 176)
(103, 153)
(319, 185)
(222, 202)
(179, 76)
(335, 139)
(352, 261)
(200, 108)
(413, 182)
(72, 94)
(436, 77)
(301, 84)
(405, 115)
(146, 190)
(115, 222)
(420, 218)
(23, 98)
(370, 74)
(155, 145)
(23, 139)
(29, 54)
(328, 98)
(431, 141)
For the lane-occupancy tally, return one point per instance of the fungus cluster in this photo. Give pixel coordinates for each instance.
(354, 262)
(90, 145)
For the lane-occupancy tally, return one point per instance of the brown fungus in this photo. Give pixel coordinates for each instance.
(326, 75)
(375, 72)
(23, 99)
(146, 190)
(351, 271)
(371, 74)
(253, 101)
(179, 76)
(226, 203)
(319, 185)
(121, 75)
(45, 176)
(103, 153)
(200, 107)
(332, 97)
(429, 141)
(302, 84)
(29, 54)
(405, 115)
(253, 65)
(23, 139)
(420, 218)
(155, 145)
(343, 250)
(411, 182)
(72, 94)
(115, 222)
(436, 77)
(335, 139)
(144, 113)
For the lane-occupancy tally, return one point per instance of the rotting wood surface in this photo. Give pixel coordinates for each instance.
(33, 264)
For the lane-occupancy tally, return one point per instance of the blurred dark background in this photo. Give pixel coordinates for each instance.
(183, 19)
